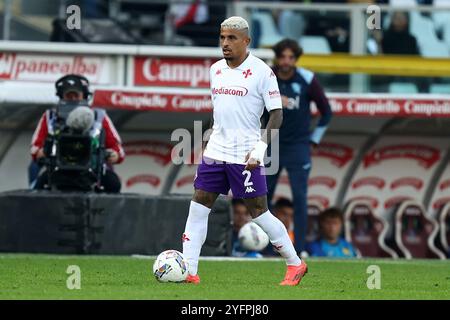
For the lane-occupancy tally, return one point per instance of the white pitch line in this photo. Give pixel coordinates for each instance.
(324, 260)
(141, 256)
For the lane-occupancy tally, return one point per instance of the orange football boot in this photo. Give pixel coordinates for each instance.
(294, 274)
(192, 279)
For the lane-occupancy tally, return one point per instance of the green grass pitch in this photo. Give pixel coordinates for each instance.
(24, 276)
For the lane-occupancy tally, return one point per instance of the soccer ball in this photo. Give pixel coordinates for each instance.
(252, 237)
(170, 266)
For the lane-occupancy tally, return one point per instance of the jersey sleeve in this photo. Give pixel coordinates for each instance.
(270, 91)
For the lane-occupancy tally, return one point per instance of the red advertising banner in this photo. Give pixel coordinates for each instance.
(341, 105)
(49, 67)
(149, 101)
(386, 106)
(172, 72)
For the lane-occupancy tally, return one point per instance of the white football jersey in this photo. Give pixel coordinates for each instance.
(239, 96)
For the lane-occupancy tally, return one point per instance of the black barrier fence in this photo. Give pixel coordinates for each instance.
(85, 223)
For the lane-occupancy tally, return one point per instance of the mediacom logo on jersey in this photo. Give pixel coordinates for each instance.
(232, 91)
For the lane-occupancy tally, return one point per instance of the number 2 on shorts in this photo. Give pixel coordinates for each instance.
(248, 175)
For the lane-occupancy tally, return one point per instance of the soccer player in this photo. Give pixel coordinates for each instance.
(298, 87)
(241, 86)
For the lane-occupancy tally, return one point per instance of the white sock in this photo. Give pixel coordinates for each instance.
(279, 237)
(195, 234)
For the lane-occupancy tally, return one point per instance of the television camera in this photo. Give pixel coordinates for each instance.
(75, 148)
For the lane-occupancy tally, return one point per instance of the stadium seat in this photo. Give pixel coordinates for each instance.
(423, 28)
(332, 162)
(365, 230)
(315, 44)
(441, 3)
(444, 222)
(400, 87)
(291, 24)
(395, 169)
(434, 49)
(269, 32)
(415, 232)
(420, 25)
(440, 196)
(440, 88)
(403, 3)
(440, 18)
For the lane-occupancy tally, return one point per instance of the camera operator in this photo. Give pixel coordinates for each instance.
(75, 89)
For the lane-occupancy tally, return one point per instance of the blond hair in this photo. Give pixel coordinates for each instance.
(236, 23)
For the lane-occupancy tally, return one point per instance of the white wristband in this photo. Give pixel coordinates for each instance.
(258, 151)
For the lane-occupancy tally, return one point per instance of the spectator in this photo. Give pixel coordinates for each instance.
(284, 210)
(331, 244)
(241, 216)
(397, 39)
(335, 27)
